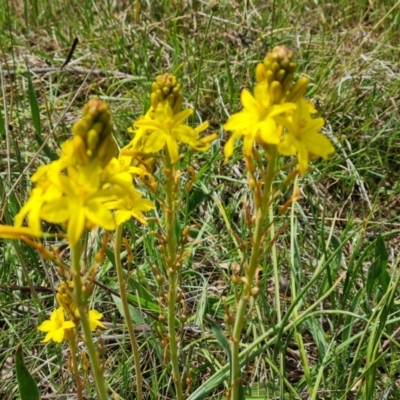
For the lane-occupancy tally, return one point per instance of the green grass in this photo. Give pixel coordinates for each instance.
(350, 52)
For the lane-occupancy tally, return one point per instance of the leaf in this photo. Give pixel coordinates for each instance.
(28, 389)
(224, 344)
(197, 196)
(219, 335)
(318, 335)
(378, 271)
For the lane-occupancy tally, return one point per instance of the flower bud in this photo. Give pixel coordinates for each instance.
(275, 91)
(92, 134)
(166, 88)
(278, 64)
(298, 90)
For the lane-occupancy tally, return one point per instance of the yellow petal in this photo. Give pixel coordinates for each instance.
(155, 142)
(76, 225)
(56, 211)
(68, 325)
(173, 149)
(98, 214)
(318, 144)
(230, 145)
(15, 232)
(58, 335)
(46, 326)
(248, 101)
(302, 157)
(181, 117)
(47, 337)
(122, 216)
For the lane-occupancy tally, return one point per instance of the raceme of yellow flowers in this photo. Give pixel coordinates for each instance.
(276, 114)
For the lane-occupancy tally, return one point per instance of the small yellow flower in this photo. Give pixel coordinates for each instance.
(302, 137)
(94, 320)
(82, 204)
(167, 129)
(56, 326)
(130, 206)
(256, 122)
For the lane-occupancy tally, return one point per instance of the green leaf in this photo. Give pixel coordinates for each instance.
(378, 271)
(197, 196)
(224, 344)
(219, 335)
(381, 254)
(318, 335)
(28, 389)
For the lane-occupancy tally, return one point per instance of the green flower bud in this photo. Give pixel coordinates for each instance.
(298, 89)
(166, 88)
(92, 134)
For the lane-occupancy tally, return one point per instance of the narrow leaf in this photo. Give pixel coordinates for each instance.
(28, 389)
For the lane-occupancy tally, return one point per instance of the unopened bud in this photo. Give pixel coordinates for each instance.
(298, 90)
(275, 91)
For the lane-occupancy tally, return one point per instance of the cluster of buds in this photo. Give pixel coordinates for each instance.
(65, 298)
(93, 134)
(278, 69)
(166, 88)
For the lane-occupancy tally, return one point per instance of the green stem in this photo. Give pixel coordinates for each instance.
(277, 295)
(125, 306)
(73, 348)
(250, 272)
(172, 273)
(83, 315)
(297, 334)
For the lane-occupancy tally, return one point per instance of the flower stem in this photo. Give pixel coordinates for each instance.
(297, 334)
(250, 271)
(171, 269)
(73, 348)
(125, 306)
(81, 305)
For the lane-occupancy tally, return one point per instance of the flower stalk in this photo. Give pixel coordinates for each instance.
(250, 271)
(74, 359)
(127, 315)
(80, 302)
(172, 272)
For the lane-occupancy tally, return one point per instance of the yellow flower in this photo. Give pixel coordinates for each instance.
(82, 205)
(302, 137)
(167, 129)
(119, 174)
(130, 206)
(42, 193)
(56, 326)
(94, 320)
(256, 122)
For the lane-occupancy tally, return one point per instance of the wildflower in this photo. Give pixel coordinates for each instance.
(130, 206)
(119, 174)
(256, 122)
(302, 137)
(82, 203)
(56, 326)
(94, 320)
(167, 129)
(42, 193)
